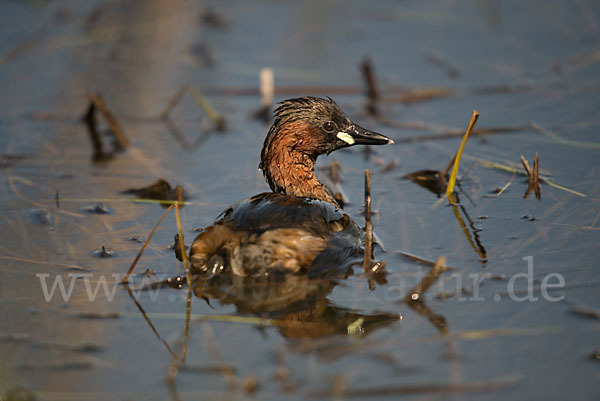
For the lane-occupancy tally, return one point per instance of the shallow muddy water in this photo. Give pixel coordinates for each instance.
(516, 317)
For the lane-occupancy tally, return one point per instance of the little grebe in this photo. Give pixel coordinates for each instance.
(299, 227)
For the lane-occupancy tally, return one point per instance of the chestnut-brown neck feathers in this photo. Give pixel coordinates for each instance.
(292, 146)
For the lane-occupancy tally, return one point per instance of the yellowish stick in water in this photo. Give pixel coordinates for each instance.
(452, 182)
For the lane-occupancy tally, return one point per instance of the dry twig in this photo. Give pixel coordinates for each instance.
(139, 255)
(112, 122)
(368, 224)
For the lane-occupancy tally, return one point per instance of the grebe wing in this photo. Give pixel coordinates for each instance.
(268, 211)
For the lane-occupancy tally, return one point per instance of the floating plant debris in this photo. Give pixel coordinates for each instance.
(87, 348)
(95, 315)
(432, 180)
(54, 366)
(585, 311)
(103, 253)
(250, 384)
(8, 160)
(159, 190)
(97, 208)
(42, 216)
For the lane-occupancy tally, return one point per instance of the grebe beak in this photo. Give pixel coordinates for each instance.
(357, 135)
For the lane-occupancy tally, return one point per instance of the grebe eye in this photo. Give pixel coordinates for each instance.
(329, 126)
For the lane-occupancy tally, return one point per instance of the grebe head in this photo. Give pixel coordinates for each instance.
(305, 128)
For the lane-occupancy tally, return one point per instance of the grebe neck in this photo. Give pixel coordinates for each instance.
(288, 162)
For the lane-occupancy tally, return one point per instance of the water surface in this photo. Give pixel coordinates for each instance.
(516, 63)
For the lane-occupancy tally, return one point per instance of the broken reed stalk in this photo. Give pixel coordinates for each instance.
(171, 379)
(139, 255)
(186, 264)
(267, 87)
(505, 187)
(368, 224)
(335, 168)
(533, 177)
(433, 274)
(188, 314)
(452, 182)
(173, 102)
(152, 327)
(372, 92)
(536, 167)
(112, 122)
(92, 126)
(448, 167)
(526, 166)
(267, 93)
(536, 176)
(443, 174)
(415, 258)
(188, 274)
(208, 108)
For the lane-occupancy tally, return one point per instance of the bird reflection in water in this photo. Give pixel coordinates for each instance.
(298, 305)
